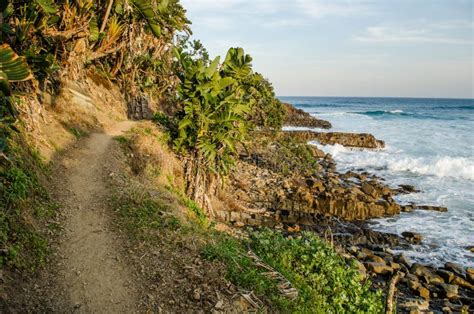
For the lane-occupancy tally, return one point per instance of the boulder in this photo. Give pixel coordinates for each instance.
(376, 259)
(447, 276)
(369, 189)
(378, 268)
(455, 268)
(406, 188)
(462, 282)
(420, 290)
(448, 291)
(428, 275)
(361, 269)
(412, 237)
(470, 274)
(402, 259)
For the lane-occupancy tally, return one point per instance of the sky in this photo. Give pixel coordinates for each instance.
(393, 48)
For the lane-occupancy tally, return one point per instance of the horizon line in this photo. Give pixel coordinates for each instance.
(402, 97)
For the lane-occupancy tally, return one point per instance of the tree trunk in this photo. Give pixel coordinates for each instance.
(201, 184)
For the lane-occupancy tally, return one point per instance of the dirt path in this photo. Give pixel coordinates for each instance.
(92, 275)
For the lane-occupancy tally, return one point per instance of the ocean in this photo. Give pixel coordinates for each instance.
(429, 144)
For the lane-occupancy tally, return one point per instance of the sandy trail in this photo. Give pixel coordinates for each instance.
(92, 274)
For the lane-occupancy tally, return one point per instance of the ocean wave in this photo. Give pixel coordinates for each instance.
(453, 167)
(456, 167)
(397, 112)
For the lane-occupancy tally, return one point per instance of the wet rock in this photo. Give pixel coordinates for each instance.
(406, 188)
(448, 291)
(433, 208)
(412, 237)
(462, 282)
(407, 208)
(447, 275)
(404, 260)
(378, 268)
(455, 268)
(470, 275)
(470, 248)
(428, 275)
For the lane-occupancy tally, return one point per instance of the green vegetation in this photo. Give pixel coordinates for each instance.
(325, 283)
(25, 211)
(241, 269)
(221, 102)
(143, 215)
(12, 69)
(208, 110)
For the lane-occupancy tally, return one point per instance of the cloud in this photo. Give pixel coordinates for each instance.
(293, 22)
(435, 33)
(320, 9)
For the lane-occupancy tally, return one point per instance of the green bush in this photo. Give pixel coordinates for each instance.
(325, 283)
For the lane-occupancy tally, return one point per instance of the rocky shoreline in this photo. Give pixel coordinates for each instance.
(282, 182)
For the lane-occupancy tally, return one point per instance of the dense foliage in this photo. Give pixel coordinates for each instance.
(12, 69)
(325, 283)
(213, 118)
(220, 103)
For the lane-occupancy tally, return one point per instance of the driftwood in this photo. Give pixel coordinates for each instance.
(284, 285)
(391, 291)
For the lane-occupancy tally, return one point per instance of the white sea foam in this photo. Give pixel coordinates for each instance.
(455, 167)
(433, 152)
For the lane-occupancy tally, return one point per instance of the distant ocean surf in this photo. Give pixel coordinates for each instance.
(429, 144)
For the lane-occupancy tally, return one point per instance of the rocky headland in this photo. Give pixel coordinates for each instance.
(282, 182)
(298, 117)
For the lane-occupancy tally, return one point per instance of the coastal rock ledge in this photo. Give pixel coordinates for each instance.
(356, 140)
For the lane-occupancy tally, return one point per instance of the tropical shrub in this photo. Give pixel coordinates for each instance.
(326, 284)
(212, 120)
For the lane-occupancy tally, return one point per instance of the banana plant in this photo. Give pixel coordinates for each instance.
(145, 8)
(13, 68)
(213, 118)
(237, 64)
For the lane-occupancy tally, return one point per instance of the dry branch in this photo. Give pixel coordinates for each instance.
(391, 292)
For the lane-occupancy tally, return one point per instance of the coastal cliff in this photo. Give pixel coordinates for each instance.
(137, 174)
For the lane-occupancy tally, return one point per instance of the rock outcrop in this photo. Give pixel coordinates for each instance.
(298, 117)
(295, 181)
(357, 140)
